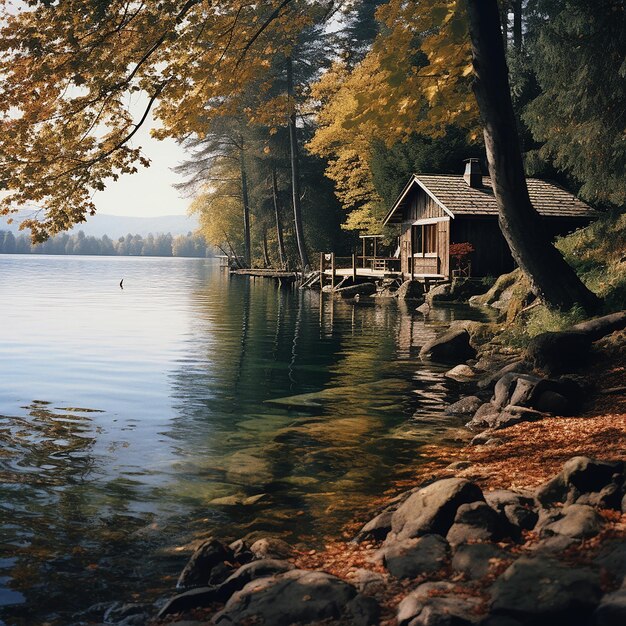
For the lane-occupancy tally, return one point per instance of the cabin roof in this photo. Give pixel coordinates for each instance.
(456, 197)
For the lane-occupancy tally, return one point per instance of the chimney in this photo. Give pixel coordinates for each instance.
(473, 176)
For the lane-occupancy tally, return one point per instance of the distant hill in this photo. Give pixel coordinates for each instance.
(118, 226)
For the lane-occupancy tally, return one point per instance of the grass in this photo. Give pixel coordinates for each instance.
(598, 254)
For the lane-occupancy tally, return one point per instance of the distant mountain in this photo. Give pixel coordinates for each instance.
(117, 225)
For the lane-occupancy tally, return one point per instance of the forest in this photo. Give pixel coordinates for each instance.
(302, 119)
(162, 244)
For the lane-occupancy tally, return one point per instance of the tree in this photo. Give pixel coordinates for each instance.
(550, 276)
(577, 50)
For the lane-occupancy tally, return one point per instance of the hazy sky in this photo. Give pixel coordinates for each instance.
(150, 191)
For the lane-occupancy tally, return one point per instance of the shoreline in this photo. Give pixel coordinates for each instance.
(380, 573)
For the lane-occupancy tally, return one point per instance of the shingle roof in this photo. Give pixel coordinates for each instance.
(454, 194)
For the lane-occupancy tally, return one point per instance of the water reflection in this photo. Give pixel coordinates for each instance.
(247, 409)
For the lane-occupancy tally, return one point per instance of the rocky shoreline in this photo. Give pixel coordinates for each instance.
(459, 548)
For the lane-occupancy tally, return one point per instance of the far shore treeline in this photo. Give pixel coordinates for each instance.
(189, 245)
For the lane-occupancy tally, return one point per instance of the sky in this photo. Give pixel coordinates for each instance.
(150, 191)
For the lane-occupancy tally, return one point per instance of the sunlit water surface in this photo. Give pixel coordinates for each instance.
(135, 420)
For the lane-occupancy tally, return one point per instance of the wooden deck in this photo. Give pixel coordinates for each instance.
(377, 273)
(266, 273)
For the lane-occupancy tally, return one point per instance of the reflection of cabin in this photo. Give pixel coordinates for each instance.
(437, 210)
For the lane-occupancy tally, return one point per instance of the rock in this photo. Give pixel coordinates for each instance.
(198, 570)
(577, 521)
(362, 289)
(410, 290)
(409, 558)
(555, 544)
(475, 559)
(433, 508)
(252, 571)
(555, 492)
(369, 582)
(437, 604)
(612, 558)
(512, 415)
(120, 611)
(477, 522)
(518, 367)
(271, 548)
(298, 597)
(465, 406)
(461, 373)
(559, 352)
(377, 528)
(519, 509)
(612, 609)
(200, 597)
(522, 517)
(500, 498)
(542, 592)
(609, 497)
(485, 417)
(485, 438)
(523, 391)
(451, 347)
(439, 293)
(458, 466)
(553, 402)
(241, 551)
(587, 474)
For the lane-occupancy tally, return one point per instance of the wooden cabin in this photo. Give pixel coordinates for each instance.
(435, 211)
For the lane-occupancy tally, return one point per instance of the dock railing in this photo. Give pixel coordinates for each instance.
(358, 264)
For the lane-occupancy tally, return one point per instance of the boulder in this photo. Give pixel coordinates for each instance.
(514, 388)
(486, 438)
(519, 367)
(612, 558)
(369, 582)
(555, 492)
(485, 417)
(519, 509)
(511, 415)
(542, 592)
(612, 609)
(577, 521)
(298, 597)
(451, 347)
(410, 290)
(461, 373)
(271, 548)
(409, 558)
(587, 474)
(208, 555)
(477, 522)
(437, 604)
(475, 559)
(433, 508)
(377, 528)
(557, 352)
(465, 406)
(609, 497)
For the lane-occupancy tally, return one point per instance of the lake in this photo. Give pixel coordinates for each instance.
(134, 421)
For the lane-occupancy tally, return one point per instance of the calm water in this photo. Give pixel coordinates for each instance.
(134, 421)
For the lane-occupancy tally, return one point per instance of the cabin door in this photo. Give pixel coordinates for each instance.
(424, 240)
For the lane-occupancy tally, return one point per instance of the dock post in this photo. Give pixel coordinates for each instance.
(332, 270)
(354, 269)
(321, 270)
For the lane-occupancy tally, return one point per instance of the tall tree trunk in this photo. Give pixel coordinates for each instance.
(266, 254)
(295, 171)
(504, 20)
(549, 275)
(279, 222)
(246, 203)
(517, 24)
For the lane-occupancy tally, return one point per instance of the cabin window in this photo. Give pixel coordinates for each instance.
(424, 239)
